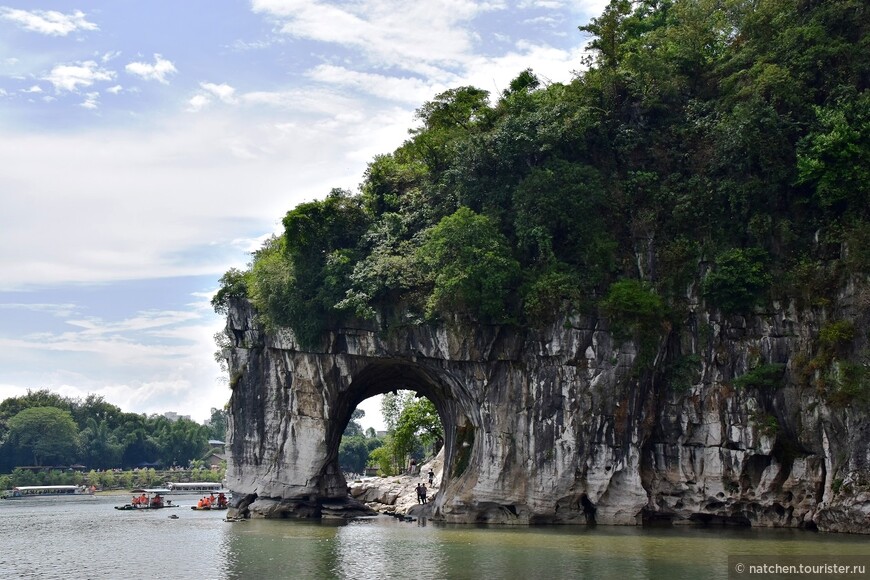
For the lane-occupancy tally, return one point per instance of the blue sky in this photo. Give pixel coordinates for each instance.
(147, 147)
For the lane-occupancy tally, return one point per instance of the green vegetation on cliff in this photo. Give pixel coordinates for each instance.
(719, 142)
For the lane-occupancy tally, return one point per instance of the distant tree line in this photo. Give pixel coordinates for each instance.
(43, 428)
(712, 148)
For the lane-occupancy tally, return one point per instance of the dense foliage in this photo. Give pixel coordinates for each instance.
(43, 428)
(355, 447)
(721, 145)
(414, 431)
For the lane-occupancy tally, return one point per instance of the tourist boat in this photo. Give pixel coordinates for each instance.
(219, 502)
(208, 508)
(153, 499)
(195, 487)
(45, 491)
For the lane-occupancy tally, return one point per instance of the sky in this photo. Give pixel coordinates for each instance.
(148, 147)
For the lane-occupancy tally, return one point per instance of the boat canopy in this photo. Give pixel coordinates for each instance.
(45, 488)
(152, 490)
(195, 486)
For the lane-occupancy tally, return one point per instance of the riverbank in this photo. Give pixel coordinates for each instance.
(111, 479)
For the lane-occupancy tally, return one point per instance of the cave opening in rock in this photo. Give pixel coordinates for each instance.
(410, 433)
(393, 377)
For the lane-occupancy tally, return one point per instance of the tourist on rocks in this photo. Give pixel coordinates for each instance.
(431, 477)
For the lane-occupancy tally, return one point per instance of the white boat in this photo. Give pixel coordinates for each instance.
(40, 491)
(198, 487)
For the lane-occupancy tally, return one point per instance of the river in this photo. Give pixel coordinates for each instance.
(87, 538)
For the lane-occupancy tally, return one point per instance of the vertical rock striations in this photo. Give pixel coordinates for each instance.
(718, 423)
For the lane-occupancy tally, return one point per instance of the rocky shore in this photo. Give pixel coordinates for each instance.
(397, 495)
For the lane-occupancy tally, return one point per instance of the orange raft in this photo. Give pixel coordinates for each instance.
(148, 499)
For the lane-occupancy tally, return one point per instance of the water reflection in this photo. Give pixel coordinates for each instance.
(92, 540)
(279, 549)
(386, 548)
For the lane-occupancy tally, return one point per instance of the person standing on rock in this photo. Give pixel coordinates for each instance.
(421, 492)
(431, 477)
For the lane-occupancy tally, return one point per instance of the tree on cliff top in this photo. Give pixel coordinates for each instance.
(699, 128)
(472, 269)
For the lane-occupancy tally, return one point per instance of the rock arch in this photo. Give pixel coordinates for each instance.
(290, 405)
(379, 376)
(550, 426)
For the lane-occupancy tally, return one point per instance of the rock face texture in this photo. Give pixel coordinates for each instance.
(566, 424)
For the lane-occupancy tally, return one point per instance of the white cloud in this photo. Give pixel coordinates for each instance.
(48, 22)
(250, 245)
(549, 4)
(198, 103)
(592, 7)
(308, 100)
(223, 91)
(91, 101)
(34, 89)
(408, 55)
(84, 74)
(412, 36)
(544, 20)
(58, 310)
(245, 45)
(409, 90)
(115, 89)
(141, 321)
(153, 72)
(171, 200)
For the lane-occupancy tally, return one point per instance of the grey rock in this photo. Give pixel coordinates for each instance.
(561, 425)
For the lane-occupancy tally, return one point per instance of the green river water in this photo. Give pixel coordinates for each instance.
(87, 538)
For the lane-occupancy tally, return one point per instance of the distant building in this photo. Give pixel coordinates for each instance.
(214, 460)
(216, 454)
(173, 416)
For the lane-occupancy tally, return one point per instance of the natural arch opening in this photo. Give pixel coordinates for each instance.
(409, 432)
(446, 395)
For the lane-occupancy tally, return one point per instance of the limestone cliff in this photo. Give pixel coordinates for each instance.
(566, 424)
